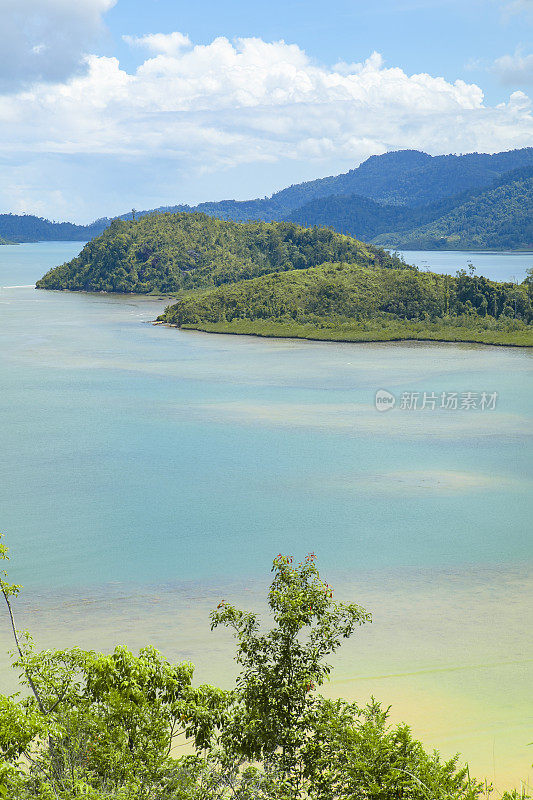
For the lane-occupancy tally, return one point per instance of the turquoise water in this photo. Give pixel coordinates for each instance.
(145, 470)
(140, 453)
(501, 266)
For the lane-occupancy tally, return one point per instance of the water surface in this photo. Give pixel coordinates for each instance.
(508, 265)
(146, 472)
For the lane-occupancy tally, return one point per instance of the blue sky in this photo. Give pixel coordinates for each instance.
(109, 104)
(452, 38)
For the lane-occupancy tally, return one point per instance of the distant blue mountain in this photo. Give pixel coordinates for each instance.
(387, 194)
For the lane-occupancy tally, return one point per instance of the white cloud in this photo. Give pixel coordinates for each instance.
(45, 40)
(168, 44)
(374, 61)
(515, 69)
(224, 104)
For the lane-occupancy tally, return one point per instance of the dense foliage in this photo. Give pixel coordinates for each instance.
(499, 218)
(340, 290)
(104, 727)
(169, 252)
(28, 228)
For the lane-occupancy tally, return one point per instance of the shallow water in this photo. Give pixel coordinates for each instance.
(148, 471)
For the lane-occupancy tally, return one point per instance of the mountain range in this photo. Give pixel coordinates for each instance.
(403, 199)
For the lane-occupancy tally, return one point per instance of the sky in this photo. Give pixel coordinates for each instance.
(107, 105)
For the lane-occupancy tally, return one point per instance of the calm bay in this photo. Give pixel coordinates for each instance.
(146, 472)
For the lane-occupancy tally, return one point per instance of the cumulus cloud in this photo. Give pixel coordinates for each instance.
(45, 40)
(167, 43)
(515, 69)
(230, 103)
(374, 61)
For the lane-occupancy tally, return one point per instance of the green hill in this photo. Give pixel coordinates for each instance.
(501, 217)
(165, 253)
(350, 302)
(29, 228)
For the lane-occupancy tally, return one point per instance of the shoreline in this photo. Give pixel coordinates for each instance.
(223, 329)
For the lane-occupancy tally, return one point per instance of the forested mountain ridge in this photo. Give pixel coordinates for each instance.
(388, 194)
(499, 218)
(29, 228)
(406, 179)
(400, 177)
(490, 218)
(168, 252)
(410, 177)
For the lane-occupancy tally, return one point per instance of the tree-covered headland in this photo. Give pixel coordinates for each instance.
(165, 253)
(347, 302)
(105, 726)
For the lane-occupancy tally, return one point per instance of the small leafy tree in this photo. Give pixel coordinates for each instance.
(100, 725)
(358, 754)
(274, 704)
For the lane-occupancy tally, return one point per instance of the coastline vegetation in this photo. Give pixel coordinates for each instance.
(390, 331)
(280, 279)
(345, 302)
(105, 727)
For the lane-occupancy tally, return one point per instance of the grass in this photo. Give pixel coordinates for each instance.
(371, 331)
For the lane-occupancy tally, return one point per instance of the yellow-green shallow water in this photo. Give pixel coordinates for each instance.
(449, 650)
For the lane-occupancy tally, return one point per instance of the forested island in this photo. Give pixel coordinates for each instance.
(280, 279)
(166, 253)
(346, 302)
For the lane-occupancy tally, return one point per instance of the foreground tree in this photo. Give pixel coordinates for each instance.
(274, 706)
(103, 727)
(310, 748)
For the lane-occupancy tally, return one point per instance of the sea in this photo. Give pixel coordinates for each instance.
(147, 473)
